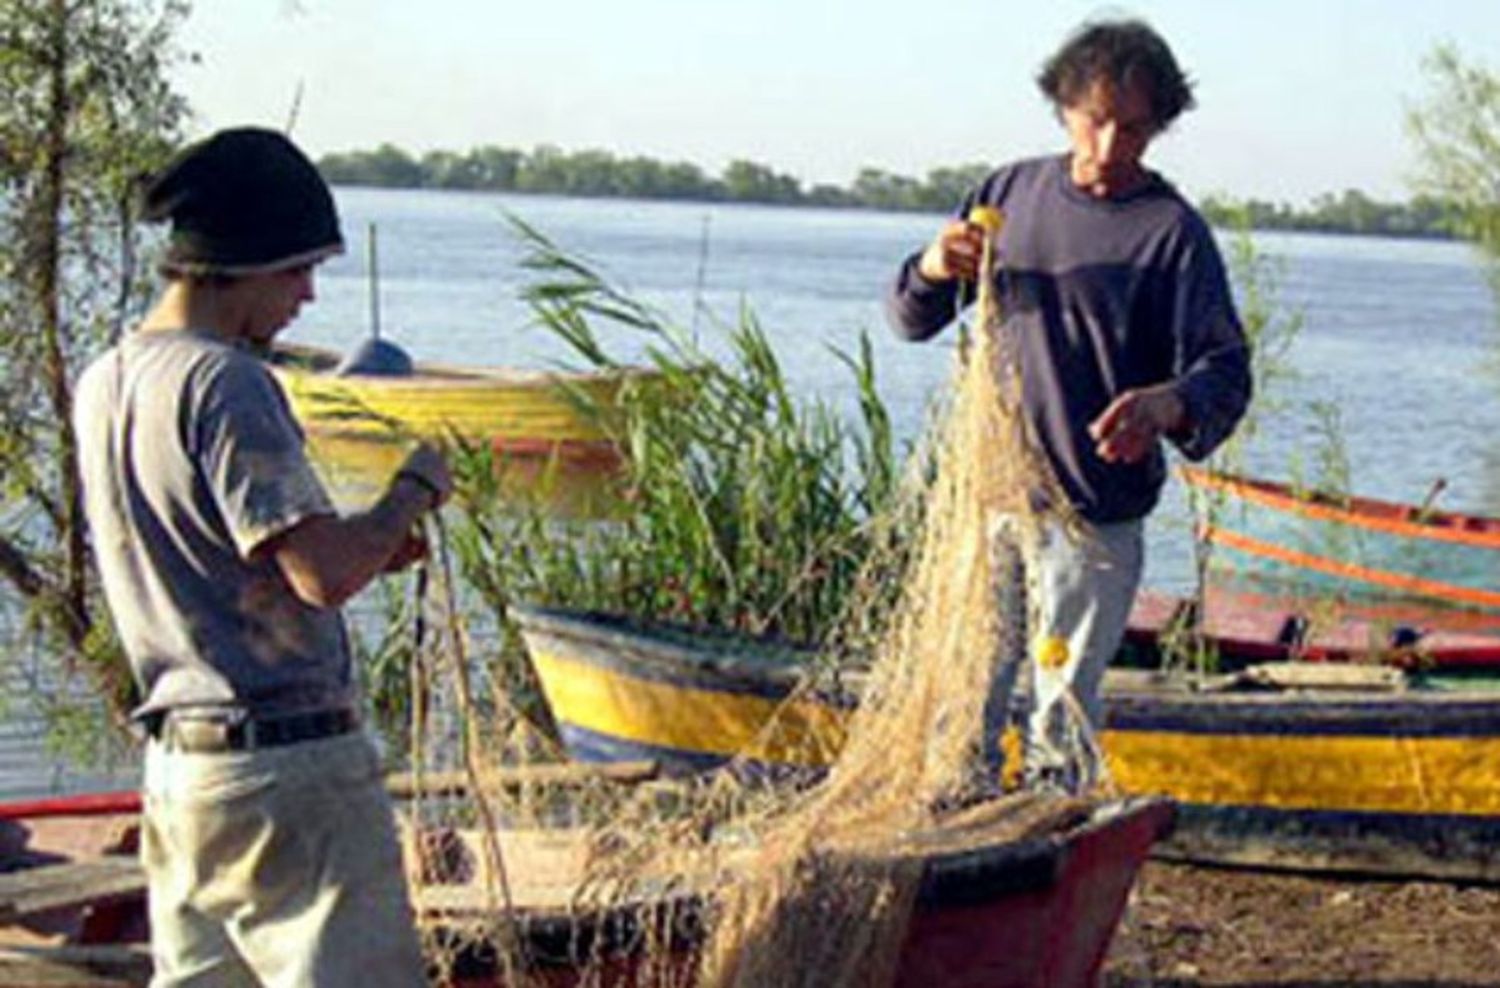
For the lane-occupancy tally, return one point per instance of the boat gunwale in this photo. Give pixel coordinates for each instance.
(656, 652)
(1413, 586)
(950, 875)
(1374, 514)
(441, 376)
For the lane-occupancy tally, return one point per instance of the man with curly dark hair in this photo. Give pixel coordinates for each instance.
(1115, 300)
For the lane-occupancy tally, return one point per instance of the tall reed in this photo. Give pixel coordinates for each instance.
(741, 505)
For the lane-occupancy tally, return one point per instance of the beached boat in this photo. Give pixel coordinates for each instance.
(1231, 626)
(1336, 766)
(996, 906)
(548, 431)
(1328, 541)
(72, 897)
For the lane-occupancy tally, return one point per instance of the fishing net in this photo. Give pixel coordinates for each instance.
(739, 876)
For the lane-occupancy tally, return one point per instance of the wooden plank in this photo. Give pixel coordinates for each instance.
(1324, 676)
(403, 785)
(68, 885)
(101, 966)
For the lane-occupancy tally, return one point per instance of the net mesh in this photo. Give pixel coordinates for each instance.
(736, 877)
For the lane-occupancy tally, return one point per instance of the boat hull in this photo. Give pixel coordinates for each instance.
(1327, 542)
(1392, 782)
(1038, 912)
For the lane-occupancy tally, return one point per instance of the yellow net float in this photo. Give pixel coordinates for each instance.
(987, 218)
(1052, 652)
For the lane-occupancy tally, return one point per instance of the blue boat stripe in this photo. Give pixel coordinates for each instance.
(1375, 718)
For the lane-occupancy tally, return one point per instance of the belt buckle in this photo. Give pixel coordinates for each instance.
(208, 736)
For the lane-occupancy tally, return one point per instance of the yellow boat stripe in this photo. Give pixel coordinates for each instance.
(1288, 771)
(475, 412)
(708, 722)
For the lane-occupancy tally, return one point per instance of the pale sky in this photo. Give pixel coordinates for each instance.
(1295, 98)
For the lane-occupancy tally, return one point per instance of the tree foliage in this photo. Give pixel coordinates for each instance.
(1457, 133)
(1351, 211)
(88, 110)
(595, 173)
(592, 172)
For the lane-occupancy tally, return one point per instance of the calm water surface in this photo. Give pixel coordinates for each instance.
(1398, 336)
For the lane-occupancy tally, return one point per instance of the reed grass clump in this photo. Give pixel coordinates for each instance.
(740, 506)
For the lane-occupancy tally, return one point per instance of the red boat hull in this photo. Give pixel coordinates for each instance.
(1035, 914)
(1040, 916)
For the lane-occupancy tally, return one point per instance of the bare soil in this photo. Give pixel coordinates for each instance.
(1190, 927)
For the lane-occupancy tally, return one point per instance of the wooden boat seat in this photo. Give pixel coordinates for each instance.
(65, 885)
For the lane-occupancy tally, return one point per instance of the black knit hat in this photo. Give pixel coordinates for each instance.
(244, 201)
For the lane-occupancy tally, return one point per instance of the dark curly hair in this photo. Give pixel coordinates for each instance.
(1125, 52)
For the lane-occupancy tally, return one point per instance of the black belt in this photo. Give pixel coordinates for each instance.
(211, 735)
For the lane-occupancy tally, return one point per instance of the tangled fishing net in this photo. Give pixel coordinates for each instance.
(735, 877)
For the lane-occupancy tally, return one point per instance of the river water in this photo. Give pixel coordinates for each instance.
(1398, 337)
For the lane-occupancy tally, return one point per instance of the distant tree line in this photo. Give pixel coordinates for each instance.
(1350, 212)
(548, 169)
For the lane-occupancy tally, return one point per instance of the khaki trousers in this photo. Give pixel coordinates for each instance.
(277, 867)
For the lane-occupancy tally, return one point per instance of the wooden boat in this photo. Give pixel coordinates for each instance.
(72, 898)
(539, 425)
(1360, 768)
(1232, 627)
(1031, 912)
(1334, 541)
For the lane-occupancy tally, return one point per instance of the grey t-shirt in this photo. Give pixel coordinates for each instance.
(190, 460)
(1101, 296)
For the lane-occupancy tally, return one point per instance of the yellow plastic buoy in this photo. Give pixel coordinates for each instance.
(1052, 652)
(987, 217)
(1013, 758)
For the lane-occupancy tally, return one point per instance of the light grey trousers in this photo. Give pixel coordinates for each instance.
(1066, 601)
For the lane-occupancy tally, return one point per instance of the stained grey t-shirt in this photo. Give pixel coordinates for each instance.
(190, 460)
(1101, 296)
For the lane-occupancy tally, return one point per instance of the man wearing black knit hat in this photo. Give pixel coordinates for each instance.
(267, 837)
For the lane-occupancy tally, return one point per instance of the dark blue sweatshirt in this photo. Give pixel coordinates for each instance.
(1102, 295)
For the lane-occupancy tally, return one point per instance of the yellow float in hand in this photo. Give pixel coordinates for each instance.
(987, 217)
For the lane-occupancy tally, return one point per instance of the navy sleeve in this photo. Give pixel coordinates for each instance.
(1212, 360)
(916, 308)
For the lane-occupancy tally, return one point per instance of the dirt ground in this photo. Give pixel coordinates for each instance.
(1190, 927)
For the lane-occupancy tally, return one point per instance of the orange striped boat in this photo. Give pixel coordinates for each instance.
(1357, 544)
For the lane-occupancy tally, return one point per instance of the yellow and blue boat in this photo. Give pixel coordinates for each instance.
(1327, 766)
